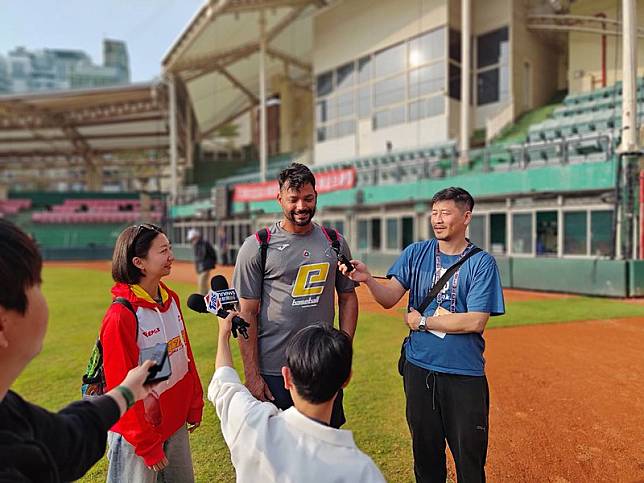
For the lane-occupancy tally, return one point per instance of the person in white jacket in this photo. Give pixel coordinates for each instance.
(270, 445)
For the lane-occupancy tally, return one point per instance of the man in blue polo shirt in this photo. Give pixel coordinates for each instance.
(444, 372)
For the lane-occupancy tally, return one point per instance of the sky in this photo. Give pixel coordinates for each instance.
(149, 27)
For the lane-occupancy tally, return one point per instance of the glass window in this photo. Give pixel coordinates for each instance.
(345, 76)
(332, 108)
(322, 134)
(488, 87)
(364, 101)
(364, 69)
(389, 117)
(427, 80)
(375, 234)
(363, 234)
(546, 228)
(477, 230)
(454, 81)
(389, 91)
(321, 114)
(522, 233)
(423, 108)
(601, 229)
(392, 233)
(391, 60)
(427, 47)
(407, 231)
(339, 225)
(493, 48)
(575, 232)
(324, 84)
(345, 128)
(497, 234)
(345, 104)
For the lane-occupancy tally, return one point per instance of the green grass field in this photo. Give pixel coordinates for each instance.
(374, 401)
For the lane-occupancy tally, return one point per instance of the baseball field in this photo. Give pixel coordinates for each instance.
(566, 377)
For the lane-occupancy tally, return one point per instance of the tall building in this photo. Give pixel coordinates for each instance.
(59, 69)
(4, 77)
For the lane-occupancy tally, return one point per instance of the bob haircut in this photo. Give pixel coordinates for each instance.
(134, 241)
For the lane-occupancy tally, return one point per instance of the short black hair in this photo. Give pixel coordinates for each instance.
(461, 197)
(319, 359)
(134, 241)
(20, 266)
(295, 176)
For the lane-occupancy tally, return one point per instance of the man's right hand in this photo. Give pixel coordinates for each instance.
(258, 388)
(359, 274)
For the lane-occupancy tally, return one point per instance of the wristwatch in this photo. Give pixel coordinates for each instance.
(422, 325)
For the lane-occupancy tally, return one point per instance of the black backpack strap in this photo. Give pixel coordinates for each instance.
(443, 280)
(263, 237)
(126, 303)
(331, 234)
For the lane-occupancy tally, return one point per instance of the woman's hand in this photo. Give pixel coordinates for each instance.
(135, 379)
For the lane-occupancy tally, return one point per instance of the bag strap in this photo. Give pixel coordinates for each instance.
(331, 234)
(433, 292)
(126, 303)
(263, 237)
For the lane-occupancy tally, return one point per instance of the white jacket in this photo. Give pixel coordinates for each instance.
(270, 445)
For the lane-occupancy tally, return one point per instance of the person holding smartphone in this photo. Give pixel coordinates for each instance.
(150, 442)
(35, 444)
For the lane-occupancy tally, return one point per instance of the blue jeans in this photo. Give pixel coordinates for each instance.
(126, 467)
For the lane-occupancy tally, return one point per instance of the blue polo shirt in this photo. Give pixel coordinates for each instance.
(476, 289)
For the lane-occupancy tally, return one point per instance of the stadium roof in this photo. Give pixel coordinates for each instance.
(217, 56)
(88, 126)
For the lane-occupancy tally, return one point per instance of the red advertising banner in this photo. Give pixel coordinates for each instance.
(335, 180)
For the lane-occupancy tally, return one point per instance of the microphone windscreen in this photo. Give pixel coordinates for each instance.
(197, 303)
(218, 282)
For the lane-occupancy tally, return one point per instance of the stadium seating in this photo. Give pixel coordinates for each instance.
(14, 206)
(78, 211)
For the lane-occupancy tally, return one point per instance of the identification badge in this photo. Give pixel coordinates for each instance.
(440, 311)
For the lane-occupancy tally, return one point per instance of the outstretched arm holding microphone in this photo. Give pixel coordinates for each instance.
(35, 444)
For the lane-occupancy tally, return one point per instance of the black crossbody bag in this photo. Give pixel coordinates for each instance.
(433, 292)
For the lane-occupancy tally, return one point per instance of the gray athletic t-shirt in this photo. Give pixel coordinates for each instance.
(301, 273)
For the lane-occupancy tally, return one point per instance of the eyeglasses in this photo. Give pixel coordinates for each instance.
(140, 229)
(145, 226)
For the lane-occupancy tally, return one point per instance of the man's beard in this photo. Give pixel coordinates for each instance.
(292, 217)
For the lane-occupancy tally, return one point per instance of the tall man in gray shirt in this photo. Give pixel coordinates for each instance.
(295, 290)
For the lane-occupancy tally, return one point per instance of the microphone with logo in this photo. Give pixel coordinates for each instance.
(219, 300)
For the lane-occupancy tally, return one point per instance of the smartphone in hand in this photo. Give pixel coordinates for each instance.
(158, 353)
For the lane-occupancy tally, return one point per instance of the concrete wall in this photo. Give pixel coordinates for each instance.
(544, 63)
(585, 49)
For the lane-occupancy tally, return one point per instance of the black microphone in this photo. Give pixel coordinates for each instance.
(197, 303)
(226, 298)
(213, 303)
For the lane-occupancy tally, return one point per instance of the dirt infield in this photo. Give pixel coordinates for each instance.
(567, 400)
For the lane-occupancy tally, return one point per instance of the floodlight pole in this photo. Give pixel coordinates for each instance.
(466, 33)
(172, 120)
(629, 148)
(262, 97)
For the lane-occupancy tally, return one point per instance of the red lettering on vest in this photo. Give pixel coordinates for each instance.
(148, 333)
